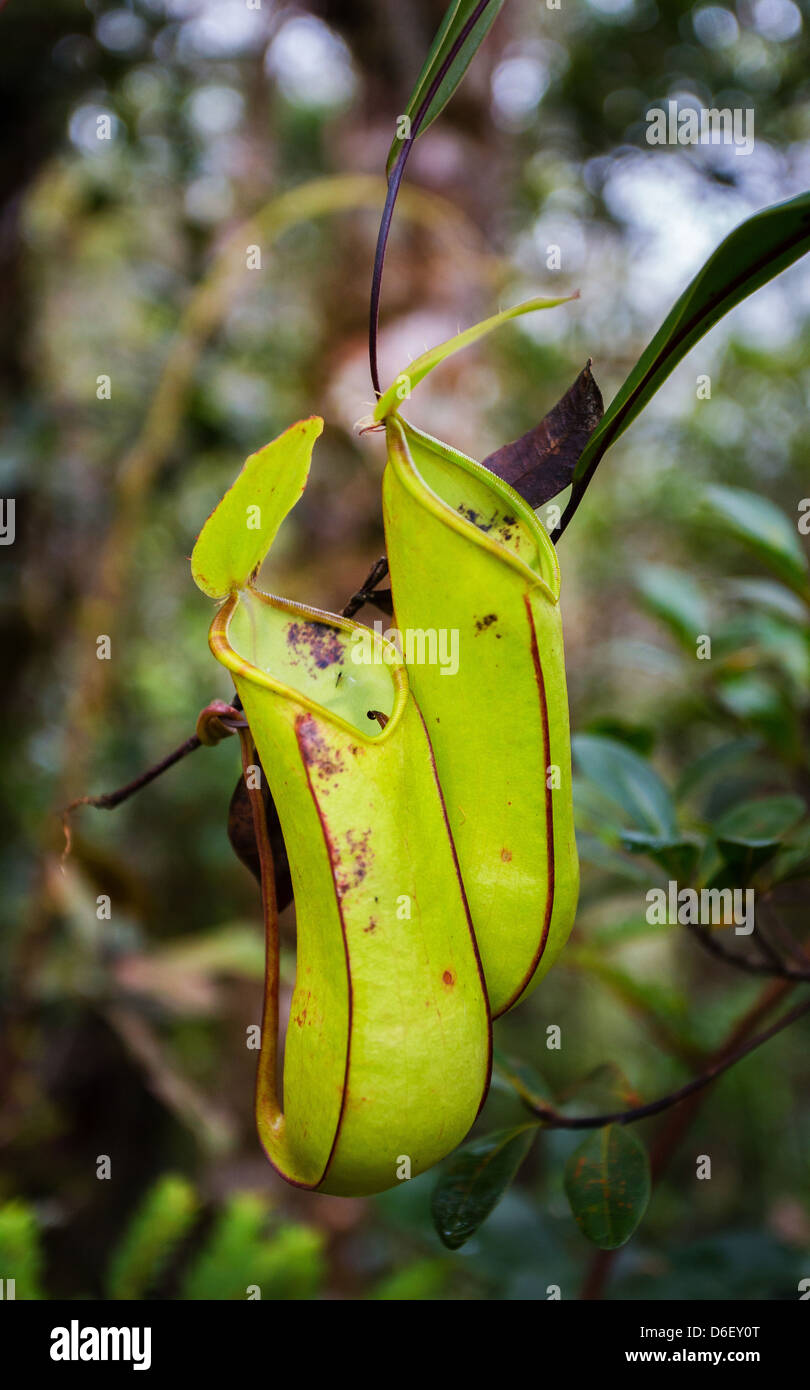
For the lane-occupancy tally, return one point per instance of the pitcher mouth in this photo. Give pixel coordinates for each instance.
(319, 646)
(544, 574)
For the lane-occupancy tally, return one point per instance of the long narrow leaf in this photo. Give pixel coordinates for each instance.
(457, 15)
(750, 256)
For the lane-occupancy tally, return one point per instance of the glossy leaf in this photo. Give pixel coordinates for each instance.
(629, 781)
(457, 15)
(758, 825)
(793, 858)
(765, 530)
(594, 851)
(474, 1181)
(678, 856)
(523, 1078)
(749, 257)
(716, 764)
(403, 385)
(749, 835)
(762, 822)
(607, 1182)
(676, 598)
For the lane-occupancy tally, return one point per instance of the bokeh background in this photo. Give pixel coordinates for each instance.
(231, 127)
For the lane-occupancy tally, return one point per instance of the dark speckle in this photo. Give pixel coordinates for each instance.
(326, 762)
(316, 645)
(475, 517)
(352, 863)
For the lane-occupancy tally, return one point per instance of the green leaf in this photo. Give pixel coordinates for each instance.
(607, 1182)
(456, 16)
(592, 850)
(714, 765)
(291, 1265)
(793, 859)
(639, 737)
(471, 1186)
(239, 532)
(674, 597)
(750, 834)
(523, 1078)
(160, 1223)
(402, 386)
(765, 530)
(628, 781)
(749, 257)
(769, 642)
(20, 1250)
(767, 594)
(678, 856)
(423, 1279)
(287, 1263)
(757, 701)
(762, 822)
(606, 1088)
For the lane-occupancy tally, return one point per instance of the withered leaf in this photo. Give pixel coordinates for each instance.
(541, 463)
(243, 839)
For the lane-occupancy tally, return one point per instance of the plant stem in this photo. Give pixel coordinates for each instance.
(554, 1120)
(108, 801)
(775, 969)
(678, 1122)
(394, 182)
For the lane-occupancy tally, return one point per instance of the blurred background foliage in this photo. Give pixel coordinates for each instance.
(234, 126)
